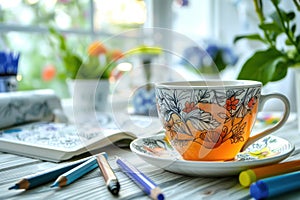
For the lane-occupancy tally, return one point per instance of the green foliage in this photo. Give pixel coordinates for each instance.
(71, 61)
(76, 66)
(88, 66)
(272, 64)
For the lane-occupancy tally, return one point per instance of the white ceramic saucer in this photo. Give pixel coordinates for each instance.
(156, 151)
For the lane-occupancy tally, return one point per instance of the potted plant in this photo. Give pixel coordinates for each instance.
(273, 62)
(87, 76)
(97, 63)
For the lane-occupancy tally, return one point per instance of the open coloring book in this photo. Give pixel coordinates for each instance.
(59, 141)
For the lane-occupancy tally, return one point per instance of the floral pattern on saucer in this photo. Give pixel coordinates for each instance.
(157, 147)
(157, 151)
(264, 148)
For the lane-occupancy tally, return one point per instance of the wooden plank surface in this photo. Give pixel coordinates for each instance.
(92, 185)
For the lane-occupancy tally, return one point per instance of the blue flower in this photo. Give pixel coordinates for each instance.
(212, 50)
(213, 55)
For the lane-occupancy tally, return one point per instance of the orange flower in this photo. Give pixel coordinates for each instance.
(48, 72)
(231, 103)
(116, 55)
(169, 126)
(96, 48)
(252, 102)
(189, 106)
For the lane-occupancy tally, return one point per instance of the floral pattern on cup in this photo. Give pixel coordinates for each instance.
(207, 117)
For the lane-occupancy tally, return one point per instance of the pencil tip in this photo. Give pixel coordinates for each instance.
(114, 187)
(54, 185)
(115, 191)
(13, 187)
(160, 197)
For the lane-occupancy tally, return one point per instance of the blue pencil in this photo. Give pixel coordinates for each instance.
(276, 185)
(145, 183)
(75, 173)
(45, 176)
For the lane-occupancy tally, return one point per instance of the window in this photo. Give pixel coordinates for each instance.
(24, 28)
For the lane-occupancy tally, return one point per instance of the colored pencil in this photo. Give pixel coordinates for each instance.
(251, 175)
(75, 173)
(275, 186)
(110, 178)
(45, 176)
(145, 183)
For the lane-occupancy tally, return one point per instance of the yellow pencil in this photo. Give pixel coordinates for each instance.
(251, 175)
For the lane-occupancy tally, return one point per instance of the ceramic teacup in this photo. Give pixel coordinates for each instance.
(212, 120)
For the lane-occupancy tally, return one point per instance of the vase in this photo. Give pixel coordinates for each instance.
(143, 100)
(89, 95)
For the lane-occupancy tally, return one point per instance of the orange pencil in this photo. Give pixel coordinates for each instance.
(251, 175)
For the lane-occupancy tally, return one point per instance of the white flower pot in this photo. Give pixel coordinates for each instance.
(89, 95)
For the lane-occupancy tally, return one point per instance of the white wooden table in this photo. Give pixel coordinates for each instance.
(92, 185)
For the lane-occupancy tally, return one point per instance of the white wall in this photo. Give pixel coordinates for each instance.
(225, 19)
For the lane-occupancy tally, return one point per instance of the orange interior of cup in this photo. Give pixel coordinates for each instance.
(221, 143)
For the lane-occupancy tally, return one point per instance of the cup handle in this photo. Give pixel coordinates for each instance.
(263, 99)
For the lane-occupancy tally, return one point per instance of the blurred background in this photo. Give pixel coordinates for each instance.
(210, 24)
